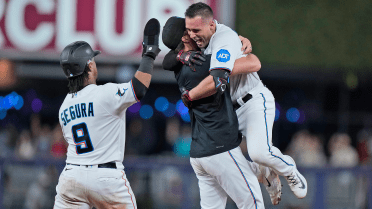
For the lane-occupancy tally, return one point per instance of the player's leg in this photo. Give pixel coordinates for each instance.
(256, 119)
(110, 189)
(70, 193)
(212, 196)
(236, 177)
(269, 179)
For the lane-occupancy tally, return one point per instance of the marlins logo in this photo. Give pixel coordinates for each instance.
(121, 94)
(223, 55)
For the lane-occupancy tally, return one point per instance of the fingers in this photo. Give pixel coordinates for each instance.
(202, 58)
(199, 56)
(247, 50)
(246, 45)
(196, 62)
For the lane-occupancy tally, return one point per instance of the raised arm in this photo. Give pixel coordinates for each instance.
(142, 78)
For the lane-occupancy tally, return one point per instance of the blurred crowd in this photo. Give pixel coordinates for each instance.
(43, 141)
(309, 149)
(40, 141)
(34, 185)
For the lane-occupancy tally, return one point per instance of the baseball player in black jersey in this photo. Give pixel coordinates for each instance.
(215, 155)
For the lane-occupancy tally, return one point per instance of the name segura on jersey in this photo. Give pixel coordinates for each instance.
(93, 123)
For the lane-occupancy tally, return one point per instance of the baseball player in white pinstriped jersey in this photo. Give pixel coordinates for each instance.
(254, 103)
(92, 118)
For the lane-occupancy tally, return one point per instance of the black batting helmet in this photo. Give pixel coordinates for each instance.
(75, 56)
(173, 31)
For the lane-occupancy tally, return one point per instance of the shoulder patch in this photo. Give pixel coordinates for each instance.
(223, 55)
(119, 93)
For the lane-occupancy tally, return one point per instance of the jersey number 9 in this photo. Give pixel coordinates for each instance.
(82, 138)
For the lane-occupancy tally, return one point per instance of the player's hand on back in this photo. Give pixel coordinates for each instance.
(247, 46)
(187, 101)
(191, 58)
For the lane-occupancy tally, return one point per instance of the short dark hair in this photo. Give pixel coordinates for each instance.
(199, 9)
(76, 83)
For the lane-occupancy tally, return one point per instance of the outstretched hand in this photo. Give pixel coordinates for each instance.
(151, 38)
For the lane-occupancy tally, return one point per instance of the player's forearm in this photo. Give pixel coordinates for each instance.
(204, 89)
(144, 71)
(245, 65)
(142, 77)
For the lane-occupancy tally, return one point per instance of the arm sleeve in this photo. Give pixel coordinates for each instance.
(139, 88)
(225, 50)
(170, 61)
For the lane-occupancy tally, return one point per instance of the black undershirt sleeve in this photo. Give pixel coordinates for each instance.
(139, 88)
(170, 61)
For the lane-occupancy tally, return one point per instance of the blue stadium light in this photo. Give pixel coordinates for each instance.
(135, 107)
(277, 114)
(19, 103)
(186, 117)
(36, 105)
(182, 147)
(2, 114)
(1, 103)
(146, 112)
(181, 108)
(278, 109)
(293, 115)
(7, 102)
(161, 104)
(302, 117)
(171, 110)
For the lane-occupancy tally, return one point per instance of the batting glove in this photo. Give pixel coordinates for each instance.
(190, 58)
(187, 101)
(151, 38)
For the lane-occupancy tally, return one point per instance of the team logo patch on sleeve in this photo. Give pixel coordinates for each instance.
(120, 93)
(223, 55)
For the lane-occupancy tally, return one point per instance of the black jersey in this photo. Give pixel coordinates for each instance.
(213, 120)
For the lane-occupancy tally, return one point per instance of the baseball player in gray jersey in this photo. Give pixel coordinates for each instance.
(92, 118)
(254, 103)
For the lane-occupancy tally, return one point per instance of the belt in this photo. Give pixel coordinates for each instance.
(245, 99)
(104, 165)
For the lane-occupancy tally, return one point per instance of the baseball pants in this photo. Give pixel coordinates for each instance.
(256, 119)
(85, 187)
(227, 173)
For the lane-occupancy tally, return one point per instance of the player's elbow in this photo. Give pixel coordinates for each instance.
(139, 88)
(255, 63)
(257, 67)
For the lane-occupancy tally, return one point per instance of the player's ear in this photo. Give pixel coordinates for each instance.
(91, 65)
(212, 24)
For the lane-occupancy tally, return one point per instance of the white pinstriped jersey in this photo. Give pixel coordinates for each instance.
(93, 123)
(225, 47)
